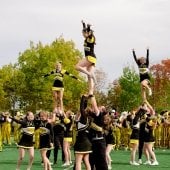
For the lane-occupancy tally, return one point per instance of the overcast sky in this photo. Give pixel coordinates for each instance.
(119, 26)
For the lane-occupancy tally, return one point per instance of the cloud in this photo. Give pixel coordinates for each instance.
(119, 26)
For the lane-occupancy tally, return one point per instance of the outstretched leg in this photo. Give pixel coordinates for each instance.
(82, 66)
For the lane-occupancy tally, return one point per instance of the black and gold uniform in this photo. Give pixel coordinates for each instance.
(58, 130)
(109, 136)
(143, 68)
(46, 134)
(68, 132)
(58, 84)
(141, 138)
(89, 43)
(149, 129)
(27, 132)
(98, 156)
(134, 138)
(83, 144)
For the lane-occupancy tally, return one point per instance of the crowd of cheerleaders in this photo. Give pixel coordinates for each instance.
(95, 138)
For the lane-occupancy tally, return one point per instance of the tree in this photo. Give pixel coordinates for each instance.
(40, 60)
(11, 82)
(125, 93)
(161, 85)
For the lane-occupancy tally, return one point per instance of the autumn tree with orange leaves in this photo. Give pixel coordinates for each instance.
(161, 85)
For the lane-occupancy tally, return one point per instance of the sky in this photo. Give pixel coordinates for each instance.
(119, 26)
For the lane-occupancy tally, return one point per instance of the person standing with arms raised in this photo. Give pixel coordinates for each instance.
(87, 64)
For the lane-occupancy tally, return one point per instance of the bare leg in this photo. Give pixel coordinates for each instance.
(133, 152)
(151, 152)
(58, 100)
(55, 99)
(82, 66)
(143, 93)
(66, 154)
(146, 85)
(60, 94)
(108, 150)
(86, 162)
(46, 161)
(78, 160)
(146, 152)
(21, 156)
(31, 155)
(91, 81)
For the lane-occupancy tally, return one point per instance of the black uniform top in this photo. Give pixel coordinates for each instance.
(68, 122)
(142, 130)
(46, 130)
(27, 132)
(84, 122)
(98, 121)
(27, 126)
(59, 75)
(89, 43)
(58, 127)
(143, 68)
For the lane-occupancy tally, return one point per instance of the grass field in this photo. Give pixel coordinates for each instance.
(9, 155)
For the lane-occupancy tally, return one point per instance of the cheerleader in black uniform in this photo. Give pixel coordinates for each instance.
(26, 141)
(83, 146)
(98, 156)
(68, 136)
(141, 138)
(143, 65)
(58, 86)
(110, 138)
(149, 140)
(45, 139)
(134, 118)
(87, 64)
(58, 129)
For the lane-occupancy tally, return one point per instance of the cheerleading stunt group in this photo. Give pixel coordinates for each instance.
(91, 131)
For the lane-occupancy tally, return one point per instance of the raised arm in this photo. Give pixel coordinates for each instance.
(134, 55)
(94, 105)
(46, 75)
(84, 25)
(83, 104)
(147, 56)
(22, 122)
(71, 75)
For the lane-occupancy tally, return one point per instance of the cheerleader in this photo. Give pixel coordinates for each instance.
(143, 65)
(83, 146)
(58, 85)
(16, 127)
(45, 139)
(58, 129)
(149, 141)
(68, 136)
(141, 138)
(6, 129)
(117, 128)
(27, 139)
(134, 118)
(98, 156)
(87, 64)
(2, 119)
(110, 139)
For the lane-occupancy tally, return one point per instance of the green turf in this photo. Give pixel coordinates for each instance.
(9, 155)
